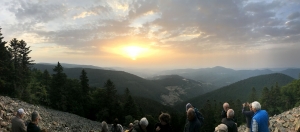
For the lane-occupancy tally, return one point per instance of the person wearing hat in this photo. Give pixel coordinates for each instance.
(33, 125)
(17, 123)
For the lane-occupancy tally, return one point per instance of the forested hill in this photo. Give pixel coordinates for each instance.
(97, 77)
(240, 90)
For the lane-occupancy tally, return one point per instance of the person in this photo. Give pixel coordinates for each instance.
(104, 127)
(164, 123)
(116, 127)
(229, 122)
(221, 128)
(224, 111)
(248, 114)
(130, 127)
(198, 113)
(260, 120)
(193, 124)
(140, 126)
(17, 123)
(33, 125)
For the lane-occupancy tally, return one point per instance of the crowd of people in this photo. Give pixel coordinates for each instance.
(257, 120)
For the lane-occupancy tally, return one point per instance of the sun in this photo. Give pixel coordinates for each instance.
(134, 51)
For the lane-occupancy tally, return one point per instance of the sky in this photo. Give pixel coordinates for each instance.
(157, 33)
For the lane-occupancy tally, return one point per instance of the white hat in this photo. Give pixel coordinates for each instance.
(21, 111)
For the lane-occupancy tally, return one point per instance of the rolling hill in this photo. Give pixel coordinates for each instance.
(240, 90)
(180, 88)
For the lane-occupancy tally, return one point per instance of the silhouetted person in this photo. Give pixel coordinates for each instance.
(33, 125)
(164, 123)
(17, 123)
(193, 124)
(140, 126)
(224, 111)
(229, 122)
(104, 127)
(248, 114)
(116, 127)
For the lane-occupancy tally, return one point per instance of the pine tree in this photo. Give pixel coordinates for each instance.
(57, 87)
(253, 95)
(130, 107)
(84, 82)
(111, 100)
(5, 60)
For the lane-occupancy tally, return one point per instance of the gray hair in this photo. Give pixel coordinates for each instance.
(104, 127)
(230, 113)
(144, 122)
(256, 105)
(221, 128)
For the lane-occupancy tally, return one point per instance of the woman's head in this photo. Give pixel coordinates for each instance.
(164, 118)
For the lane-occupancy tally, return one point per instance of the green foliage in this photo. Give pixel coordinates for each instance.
(253, 95)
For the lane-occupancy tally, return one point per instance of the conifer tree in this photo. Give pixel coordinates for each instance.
(5, 59)
(57, 87)
(253, 95)
(130, 107)
(84, 82)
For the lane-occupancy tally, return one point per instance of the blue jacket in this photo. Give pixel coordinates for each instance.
(260, 121)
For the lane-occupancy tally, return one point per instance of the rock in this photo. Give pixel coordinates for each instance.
(4, 124)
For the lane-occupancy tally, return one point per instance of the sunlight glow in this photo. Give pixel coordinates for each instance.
(134, 51)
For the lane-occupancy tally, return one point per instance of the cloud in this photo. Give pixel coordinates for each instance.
(185, 26)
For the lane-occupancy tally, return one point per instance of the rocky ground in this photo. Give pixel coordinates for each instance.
(52, 120)
(288, 121)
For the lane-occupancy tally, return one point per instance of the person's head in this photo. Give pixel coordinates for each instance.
(225, 106)
(35, 117)
(250, 107)
(188, 105)
(20, 113)
(221, 128)
(164, 118)
(144, 123)
(116, 121)
(190, 114)
(130, 125)
(104, 127)
(255, 106)
(230, 113)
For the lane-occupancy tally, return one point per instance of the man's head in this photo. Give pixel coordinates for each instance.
(255, 106)
(190, 114)
(35, 117)
(225, 106)
(116, 121)
(230, 113)
(188, 105)
(144, 123)
(20, 113)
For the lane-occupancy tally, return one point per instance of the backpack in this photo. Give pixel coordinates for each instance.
(199, 117)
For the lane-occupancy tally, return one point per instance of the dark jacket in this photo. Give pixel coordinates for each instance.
(163, 128)
(249, 115)
(223, 114)
(137, 128)
(230, 124)
(192, 126)
(33, 128)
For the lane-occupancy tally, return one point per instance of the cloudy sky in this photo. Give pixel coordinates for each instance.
(157, 33)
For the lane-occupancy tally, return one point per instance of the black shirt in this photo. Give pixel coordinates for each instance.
(33, 128)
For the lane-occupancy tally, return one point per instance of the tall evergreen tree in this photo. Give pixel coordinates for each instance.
(111, 100)
(130, 107)
(84, 82)
(253, 95)
(5, 59)
(57, 87)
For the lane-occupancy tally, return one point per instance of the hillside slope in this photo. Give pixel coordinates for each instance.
(52, 120)
(241, 89)
(97, 77)
(180, 88)
(218, 76)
